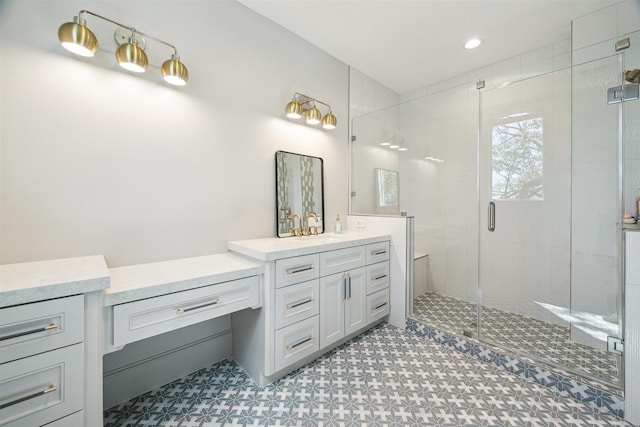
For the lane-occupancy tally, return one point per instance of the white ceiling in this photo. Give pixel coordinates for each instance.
(409, 44)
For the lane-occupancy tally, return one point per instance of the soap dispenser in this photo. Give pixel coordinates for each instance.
(337, 228)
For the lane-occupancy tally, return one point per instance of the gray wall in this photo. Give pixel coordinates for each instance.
(95, 160)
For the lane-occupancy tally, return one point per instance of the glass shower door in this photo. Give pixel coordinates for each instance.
(527, 297)
(525, 205)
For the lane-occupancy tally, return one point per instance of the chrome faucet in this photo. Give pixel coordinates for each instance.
(315, 228)
(296, 231)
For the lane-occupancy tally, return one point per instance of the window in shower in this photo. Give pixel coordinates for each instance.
(517, 161)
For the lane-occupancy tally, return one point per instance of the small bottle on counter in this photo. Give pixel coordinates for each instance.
(337, 228)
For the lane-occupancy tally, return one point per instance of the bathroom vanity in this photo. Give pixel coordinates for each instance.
(319, 291)
(50, 352)
(289, 301)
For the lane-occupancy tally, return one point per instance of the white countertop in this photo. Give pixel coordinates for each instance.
(27, 282)
(272, 248)
(158, 278)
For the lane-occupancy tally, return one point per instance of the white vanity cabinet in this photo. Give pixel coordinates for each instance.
(342, 293)
(297, 306)
(342, 299)
(48, 318)
(316, 296)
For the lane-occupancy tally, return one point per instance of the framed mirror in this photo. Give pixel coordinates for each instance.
(299, 194)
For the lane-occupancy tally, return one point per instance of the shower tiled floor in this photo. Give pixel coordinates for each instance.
(539, 339)
(384, 377)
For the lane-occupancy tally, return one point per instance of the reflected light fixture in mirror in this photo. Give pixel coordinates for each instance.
(303, 104)
(77, 38)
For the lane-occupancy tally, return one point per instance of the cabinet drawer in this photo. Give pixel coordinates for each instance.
(41, 326)
(297, 341)
(377, 252)
(297, 269)
(377, 305)
(332, 262)
(377, 277)
(145, 318)
(73, 420)
(42, 388)
(297, 302)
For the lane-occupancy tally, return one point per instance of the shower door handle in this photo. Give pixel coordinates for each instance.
(492, 217)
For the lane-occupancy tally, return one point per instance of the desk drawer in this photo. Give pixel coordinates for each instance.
(340, 260)
(297, 302)
(41, 326)
(377, 252)
(297, 341)
(297, 269)
(153, 316)
(39, 389)
(377, 277)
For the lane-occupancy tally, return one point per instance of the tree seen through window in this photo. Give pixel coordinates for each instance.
(517, 160)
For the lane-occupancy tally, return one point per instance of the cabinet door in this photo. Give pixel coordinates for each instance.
(332, 295)
(355, 305)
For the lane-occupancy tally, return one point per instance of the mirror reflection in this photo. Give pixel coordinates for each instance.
(299, 195)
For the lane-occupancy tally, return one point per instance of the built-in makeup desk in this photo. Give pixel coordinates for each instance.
(150, 299)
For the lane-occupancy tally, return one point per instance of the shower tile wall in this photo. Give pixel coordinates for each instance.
(374, 118)
(442, 193)
(367, 95)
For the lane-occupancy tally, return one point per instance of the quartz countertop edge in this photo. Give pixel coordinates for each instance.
(272, 248)
(136, 282)
(26, 282)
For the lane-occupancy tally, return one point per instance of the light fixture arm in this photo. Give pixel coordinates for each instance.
(309, 99)
(133, 30)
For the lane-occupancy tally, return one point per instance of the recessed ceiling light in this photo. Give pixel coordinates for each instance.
(402, 149)
(385, 143)
(472, 44)
(394, 146)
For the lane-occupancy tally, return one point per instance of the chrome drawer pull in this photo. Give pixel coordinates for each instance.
(186, 310)
(50, 389)
(296, 270)
(378, 306)
(299, 303)
(382, 276)
(50, 327)
(379, 252)
(307, 339)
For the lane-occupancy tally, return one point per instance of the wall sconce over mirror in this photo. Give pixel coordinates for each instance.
(76, 37)
(304, 105)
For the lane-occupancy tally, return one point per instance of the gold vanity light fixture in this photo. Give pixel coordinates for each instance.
(305, 105)
(76, 37)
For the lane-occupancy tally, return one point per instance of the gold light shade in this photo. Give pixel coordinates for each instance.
(293, 110)
(77, 38)
(174, 72)
(313, 116)
(329, 121)
(131, 57)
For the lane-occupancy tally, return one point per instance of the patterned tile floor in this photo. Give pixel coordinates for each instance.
(534, 337)
(384, 377)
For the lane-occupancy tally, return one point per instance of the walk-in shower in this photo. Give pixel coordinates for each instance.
(518, 189)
